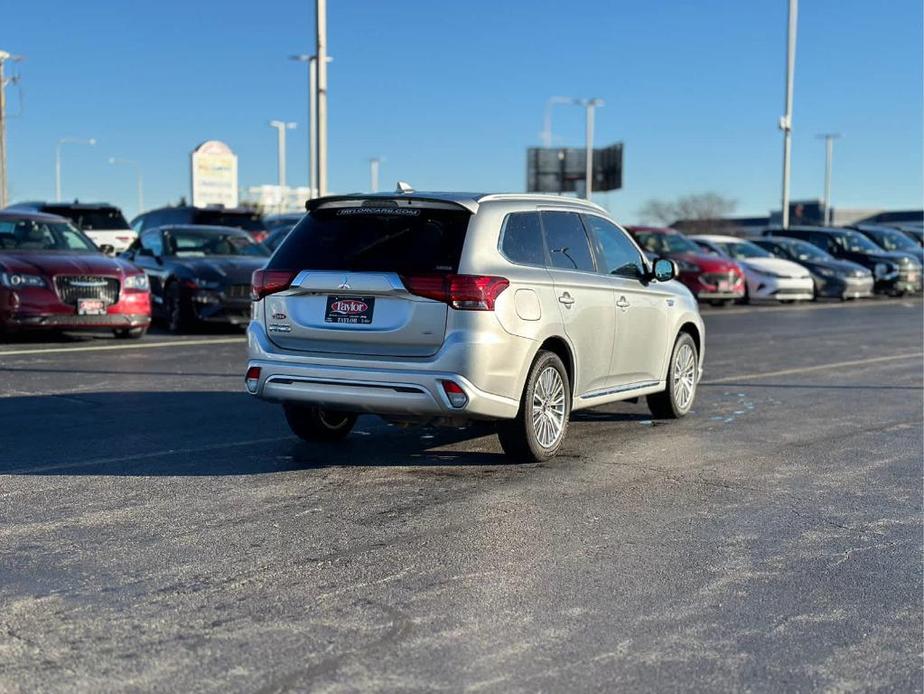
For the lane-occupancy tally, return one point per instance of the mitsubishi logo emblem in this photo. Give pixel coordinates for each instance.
(345, 284)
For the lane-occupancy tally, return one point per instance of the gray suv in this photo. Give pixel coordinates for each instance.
(450, 307)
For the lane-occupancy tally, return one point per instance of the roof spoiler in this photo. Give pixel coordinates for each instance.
(394, 199)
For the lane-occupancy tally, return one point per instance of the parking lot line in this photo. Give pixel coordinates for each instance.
(756, 310)
(42, 469)
(141, 345)
(818, 367)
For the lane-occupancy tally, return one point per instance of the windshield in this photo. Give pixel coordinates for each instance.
(803, 250)
(90, 219)
(742, 250)
(855, 242)
(29, 235)
(375, 239)
(197, 244)
(249, 221)
(892, 240)
(665, 243)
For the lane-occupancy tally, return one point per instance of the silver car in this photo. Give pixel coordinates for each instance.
(450, 307)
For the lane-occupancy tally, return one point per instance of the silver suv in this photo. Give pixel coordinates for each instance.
(449, 307)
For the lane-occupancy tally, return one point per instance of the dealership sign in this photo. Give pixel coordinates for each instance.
(214, 175)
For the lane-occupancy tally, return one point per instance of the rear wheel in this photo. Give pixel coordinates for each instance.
(311, 423)
(539, 428)
(677, 399)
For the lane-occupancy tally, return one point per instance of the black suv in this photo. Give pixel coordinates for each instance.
(185, 215)
(894, 272)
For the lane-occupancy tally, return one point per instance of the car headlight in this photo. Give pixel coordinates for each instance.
(826, 272)
(137, 282)
(15, 280)
(768, 273)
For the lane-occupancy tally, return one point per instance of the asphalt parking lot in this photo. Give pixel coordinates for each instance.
(161, 530)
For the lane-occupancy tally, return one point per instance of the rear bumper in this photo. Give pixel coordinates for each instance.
(399, 388)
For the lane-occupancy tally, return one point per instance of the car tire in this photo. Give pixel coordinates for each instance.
(539, 428)
(676, 400)
(311, 423)
(178, 315)
(130, 333)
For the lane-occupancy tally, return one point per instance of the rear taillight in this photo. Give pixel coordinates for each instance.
(265, 282)
(252, 378)
(259, 236)
(462, 292)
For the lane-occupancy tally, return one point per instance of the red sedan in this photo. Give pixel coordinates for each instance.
(54, 277)
(713, 279)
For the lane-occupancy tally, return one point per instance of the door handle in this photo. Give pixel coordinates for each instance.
(622, 302)
(566, 299)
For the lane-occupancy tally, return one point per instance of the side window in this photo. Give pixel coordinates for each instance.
(567, 241)
(522, 239)
(619, 254)
(154, 242)
(825, 242)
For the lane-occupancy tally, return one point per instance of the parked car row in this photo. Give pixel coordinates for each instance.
(184, 265)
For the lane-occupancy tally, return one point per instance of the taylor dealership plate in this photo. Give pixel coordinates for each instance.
(350, 310)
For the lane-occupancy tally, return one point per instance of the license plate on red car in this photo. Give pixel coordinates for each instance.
(351, 310)
(91, 307)
(723, 285)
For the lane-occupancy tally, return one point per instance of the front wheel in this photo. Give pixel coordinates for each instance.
(677, 399)
(539, 428)
(311, 423)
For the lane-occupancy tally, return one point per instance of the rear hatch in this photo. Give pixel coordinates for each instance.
(350, 266)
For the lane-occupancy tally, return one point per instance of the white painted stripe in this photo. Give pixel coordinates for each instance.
(144, 456)
(820, 367)
(140, 345)
(807, 306)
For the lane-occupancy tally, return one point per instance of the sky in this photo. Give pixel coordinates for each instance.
(451, 94)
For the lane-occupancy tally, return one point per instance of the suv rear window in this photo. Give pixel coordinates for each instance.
(375, 239)
(248, 221)
(89, 219)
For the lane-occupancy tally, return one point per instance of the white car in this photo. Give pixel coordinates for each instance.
(766, 276)
(102, 222)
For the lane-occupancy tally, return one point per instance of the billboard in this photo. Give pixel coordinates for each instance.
(561, 169)
(214, 175)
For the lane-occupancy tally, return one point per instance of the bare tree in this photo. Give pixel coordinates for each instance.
(697, 213)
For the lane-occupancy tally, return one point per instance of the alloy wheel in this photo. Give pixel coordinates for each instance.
(548, 411)
(684, 376)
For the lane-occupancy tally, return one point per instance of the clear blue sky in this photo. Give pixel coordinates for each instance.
(451, 93)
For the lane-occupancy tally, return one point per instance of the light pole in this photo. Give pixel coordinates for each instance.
(281, 127)
(829, 139)
(66, 141)
(374, 174)
(138, 180)
(547, 120)
(786, 119)
(321, 88)
(312, 63)
(589, 105)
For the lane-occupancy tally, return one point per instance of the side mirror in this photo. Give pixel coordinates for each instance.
(664, 270)
(107, 249)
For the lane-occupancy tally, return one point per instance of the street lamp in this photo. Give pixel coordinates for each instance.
(829, 139)
(590, 106)
(139, 182)
(312, 63)
(281, 127)
(786, 118)
(66, 141)
(374, 173)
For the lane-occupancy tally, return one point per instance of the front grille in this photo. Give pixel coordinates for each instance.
(73, 287)
(238, 291)
(715, 277)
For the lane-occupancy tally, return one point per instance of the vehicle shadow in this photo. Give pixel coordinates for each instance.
(208, 433)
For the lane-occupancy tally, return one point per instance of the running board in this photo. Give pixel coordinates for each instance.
(625, 392)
